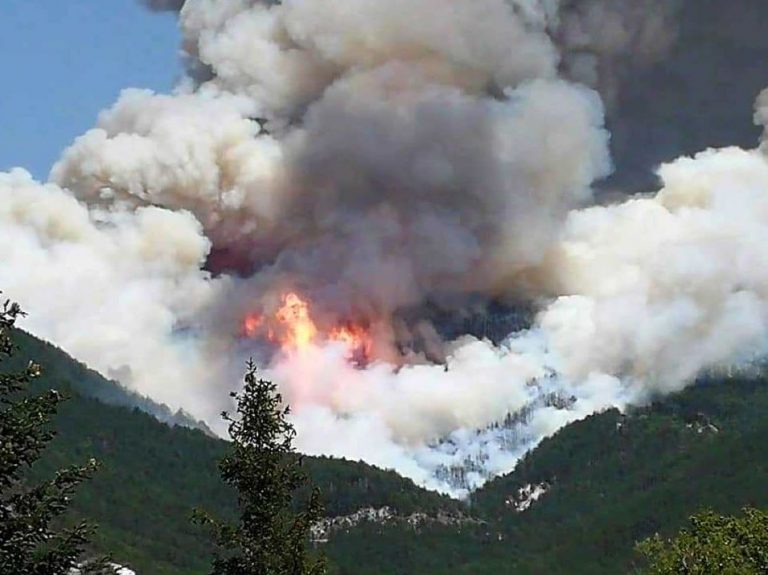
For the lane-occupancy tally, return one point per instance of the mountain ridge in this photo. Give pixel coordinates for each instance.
(600, 484)
(154, 474)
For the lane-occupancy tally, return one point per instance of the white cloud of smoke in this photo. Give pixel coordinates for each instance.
(661, 286)
(375, 157)
(116, 288)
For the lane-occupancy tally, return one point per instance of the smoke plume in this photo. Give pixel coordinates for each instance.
(601, 40)
(164, 5)
(328, 172)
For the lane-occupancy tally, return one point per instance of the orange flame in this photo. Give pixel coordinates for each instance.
(252, 325)
(357, 339)
(294, 329)
(300, 330)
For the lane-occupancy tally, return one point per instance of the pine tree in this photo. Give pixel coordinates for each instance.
(29, 544)
(271, 537)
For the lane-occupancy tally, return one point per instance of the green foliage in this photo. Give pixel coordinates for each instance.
(270, 537)
(713, 544)
(29, 541)
(61, 369)
(614, 479)
(152, 476)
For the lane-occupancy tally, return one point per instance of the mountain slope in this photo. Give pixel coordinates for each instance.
(604, 483)
(62, 368)
(610, 480)
(153, 475)
(615, 479)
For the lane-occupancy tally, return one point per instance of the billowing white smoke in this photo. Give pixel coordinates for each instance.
(116, 288)
(390, 173)
(373, 157)
(400, 164)
(660, 287)
(653, 291)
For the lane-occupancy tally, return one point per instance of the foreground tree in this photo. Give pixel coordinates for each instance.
(270, 537)
(713, 545)
(29, 544)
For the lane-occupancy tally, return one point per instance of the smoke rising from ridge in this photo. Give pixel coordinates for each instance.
(113, 287)
(370, 159)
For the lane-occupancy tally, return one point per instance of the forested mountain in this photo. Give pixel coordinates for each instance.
(88, 383)
(153, 475)
(609, 481)
(577, 503)
(602, 484)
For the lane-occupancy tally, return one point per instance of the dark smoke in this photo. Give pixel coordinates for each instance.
(164, 5)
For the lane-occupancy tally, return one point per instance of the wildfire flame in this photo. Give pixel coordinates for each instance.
(252, 325)
(294, 314)
(355, 338)
(293, 328)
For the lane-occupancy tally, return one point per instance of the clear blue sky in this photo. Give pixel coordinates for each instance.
(62, 61)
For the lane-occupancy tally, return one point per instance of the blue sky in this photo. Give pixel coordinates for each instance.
(63, 61)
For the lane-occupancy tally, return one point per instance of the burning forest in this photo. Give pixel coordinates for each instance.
(340, 190)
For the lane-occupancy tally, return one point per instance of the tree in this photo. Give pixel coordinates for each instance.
(270, 537)
(29, 544)
(713, 545)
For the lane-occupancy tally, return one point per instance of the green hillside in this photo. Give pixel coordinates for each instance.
(153, 475)
(611, 480)
(86, 382)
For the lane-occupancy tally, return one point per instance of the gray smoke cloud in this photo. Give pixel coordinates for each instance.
(603, 40)
(410, 172)
(597, 39)
(373, 158)
(164, 5)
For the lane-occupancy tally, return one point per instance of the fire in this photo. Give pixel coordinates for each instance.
(357, 339)
(252, 325)
(300, 330)
(293, 328)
